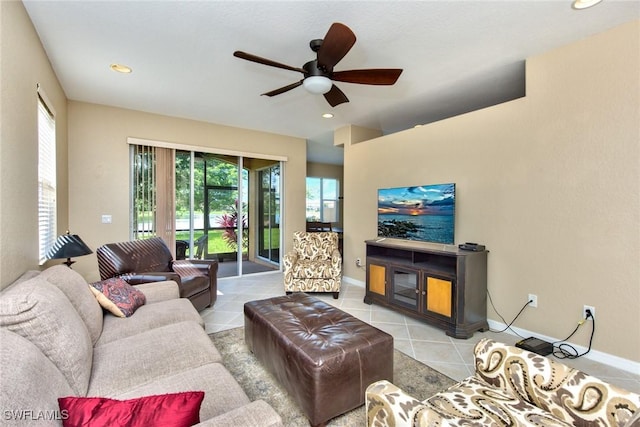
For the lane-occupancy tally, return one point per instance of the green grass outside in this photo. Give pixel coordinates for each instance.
(218, 245)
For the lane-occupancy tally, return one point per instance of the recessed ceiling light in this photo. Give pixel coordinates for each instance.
(120, 68)
(327, 115)
(584, 4)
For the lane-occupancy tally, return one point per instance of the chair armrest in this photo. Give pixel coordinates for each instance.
(206, 267)
(336, 258)
(383, 397)
(159, 291)
(289, 260)
(255, 414)
(160, 276)
(551, 385)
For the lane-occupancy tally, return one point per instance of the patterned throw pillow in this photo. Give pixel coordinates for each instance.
(168, 410)
(117, 296)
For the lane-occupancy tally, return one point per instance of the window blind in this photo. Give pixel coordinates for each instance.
(46, 179)
(153, 193)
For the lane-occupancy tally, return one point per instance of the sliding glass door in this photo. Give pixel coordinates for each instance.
(214, 205)
(269, 213)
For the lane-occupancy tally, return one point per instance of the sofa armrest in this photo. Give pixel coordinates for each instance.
(255, 414)
(386, 404)
(159, 291)
(160, 276)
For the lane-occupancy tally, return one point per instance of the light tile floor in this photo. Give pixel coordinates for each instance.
(430, 345)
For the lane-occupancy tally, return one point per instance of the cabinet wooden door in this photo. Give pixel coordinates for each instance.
(439, 296)
(377, 279)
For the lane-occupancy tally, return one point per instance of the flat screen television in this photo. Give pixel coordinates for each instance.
(424, 213)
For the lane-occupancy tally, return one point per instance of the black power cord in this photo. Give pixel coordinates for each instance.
(567, 351)
(514, 319)
(562, 350)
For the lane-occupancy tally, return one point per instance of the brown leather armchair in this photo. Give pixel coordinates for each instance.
(150, 260)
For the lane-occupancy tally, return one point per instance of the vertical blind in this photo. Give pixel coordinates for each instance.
(46, 179)
(153, 191)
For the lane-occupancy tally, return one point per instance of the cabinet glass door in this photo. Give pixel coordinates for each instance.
(404, 287)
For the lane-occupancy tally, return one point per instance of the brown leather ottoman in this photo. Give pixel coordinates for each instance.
(324, 357)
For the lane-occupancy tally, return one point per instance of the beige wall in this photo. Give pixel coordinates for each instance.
(550, 183)
(324, 170)
(24, 65)
(99, 167)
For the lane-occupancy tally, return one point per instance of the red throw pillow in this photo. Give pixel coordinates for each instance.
(117, 296)
(167, 410)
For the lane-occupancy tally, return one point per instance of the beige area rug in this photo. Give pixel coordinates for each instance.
(414, 377)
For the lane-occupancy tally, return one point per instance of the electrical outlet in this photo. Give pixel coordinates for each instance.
(358, 262)
(591, 309)
(534, 300)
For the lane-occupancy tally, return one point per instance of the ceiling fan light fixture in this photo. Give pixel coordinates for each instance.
(584, 4)
(317, 84)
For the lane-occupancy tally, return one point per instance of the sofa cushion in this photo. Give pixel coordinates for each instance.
(226, 394)
(147, 317)
(73, 285)
(41, 313)
(256, 413)
(143, 358)
(169, 410)
(30, 382)
(117, 296)
(307, 269)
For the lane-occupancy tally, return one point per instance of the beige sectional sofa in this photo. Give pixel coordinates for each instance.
(511, 387)
(56, 341)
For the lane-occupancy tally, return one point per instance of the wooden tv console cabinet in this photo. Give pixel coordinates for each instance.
(440, 284)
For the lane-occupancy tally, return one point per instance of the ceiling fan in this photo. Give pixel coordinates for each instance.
(318, 73)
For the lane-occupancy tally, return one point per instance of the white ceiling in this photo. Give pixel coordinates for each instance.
(457, 56)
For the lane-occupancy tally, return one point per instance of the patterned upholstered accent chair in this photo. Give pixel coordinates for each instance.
(150, 260)
(510, 387)
(314, 264)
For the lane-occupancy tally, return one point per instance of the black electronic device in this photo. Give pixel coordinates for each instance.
(468, 246)
(535, 345)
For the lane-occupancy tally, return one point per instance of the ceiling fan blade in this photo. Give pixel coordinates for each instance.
(374, 76)
(338, 41)
(335, 96)
(284, 89)
(264, 61)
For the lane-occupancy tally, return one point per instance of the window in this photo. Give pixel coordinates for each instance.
(46, 178)
(322, 199)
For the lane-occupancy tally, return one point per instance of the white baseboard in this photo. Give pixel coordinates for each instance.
(595, 355)
(353, 281)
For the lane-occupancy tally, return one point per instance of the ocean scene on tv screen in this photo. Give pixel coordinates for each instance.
(417, 213)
